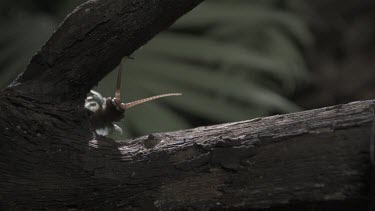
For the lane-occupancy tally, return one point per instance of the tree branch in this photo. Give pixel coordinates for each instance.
(50, 159)
(318, 158)
(91, 42)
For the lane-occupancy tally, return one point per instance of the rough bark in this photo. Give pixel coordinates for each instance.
(318, 159)
(50, 159)
(91, 42)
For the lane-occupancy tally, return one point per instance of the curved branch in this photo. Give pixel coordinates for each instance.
(49, 158)
(91, 42)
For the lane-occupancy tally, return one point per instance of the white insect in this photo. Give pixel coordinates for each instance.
(106, 111)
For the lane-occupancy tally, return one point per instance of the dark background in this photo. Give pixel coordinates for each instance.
(232, 59)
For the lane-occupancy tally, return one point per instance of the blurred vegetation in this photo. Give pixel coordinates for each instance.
(342, 57)
(232, 60)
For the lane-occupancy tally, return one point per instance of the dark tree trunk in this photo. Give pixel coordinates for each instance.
(50, 159)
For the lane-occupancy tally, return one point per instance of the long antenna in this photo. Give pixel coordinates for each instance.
(141, 101)
(118, 85)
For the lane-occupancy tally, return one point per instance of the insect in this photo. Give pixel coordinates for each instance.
(108, 110)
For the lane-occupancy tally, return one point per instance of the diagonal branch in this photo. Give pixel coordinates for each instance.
(91, 42)
(49, 158)
(318, 158)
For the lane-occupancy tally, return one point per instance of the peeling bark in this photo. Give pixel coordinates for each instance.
(50, 159)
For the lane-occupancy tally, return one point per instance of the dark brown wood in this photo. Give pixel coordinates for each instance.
(312, 159)
(50, 159)
(91, 42)
(318, 159)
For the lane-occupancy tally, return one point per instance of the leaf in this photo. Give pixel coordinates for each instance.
(202, 79)
(211, 53)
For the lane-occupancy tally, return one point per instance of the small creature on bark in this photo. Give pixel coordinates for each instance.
(109, 110)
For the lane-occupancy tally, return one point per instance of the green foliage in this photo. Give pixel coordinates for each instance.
(231, 59)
